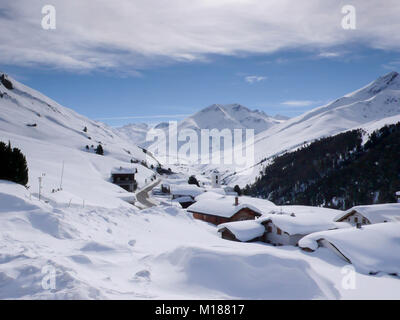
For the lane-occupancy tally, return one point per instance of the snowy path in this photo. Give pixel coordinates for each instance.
(143, 197)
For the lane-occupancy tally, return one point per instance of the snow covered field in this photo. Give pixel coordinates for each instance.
(158, 253)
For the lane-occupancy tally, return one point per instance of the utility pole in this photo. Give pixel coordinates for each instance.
(62, 174)
(40, 184)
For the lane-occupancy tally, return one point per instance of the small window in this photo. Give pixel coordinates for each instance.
(364, 221)
(355, 219)
(278, 231)
(269, 229)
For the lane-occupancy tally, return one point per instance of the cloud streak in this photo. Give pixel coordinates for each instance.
(129, 35)
(253, 79)
(299, 103)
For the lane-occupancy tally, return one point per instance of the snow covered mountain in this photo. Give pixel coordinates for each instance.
(377, 102)
(216, 116)
(50, 134)
(232, 116)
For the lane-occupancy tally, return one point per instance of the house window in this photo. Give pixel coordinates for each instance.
(364, 221)
(355, 219)
(269, 229)
(278, 231)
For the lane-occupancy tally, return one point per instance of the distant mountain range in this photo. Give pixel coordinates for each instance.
(216, 116)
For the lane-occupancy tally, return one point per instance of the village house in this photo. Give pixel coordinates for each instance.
(184, 194)
(125, 178)
(354, 246)
(243, 231)
(287, 229)
(222, 210)
(377, 213)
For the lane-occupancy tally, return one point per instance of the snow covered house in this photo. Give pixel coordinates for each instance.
(222, 210)
(371, 249)
(370, 214)
(185, 190)
(243, 231)
(288, 229)
(125, 178)
(185, 194)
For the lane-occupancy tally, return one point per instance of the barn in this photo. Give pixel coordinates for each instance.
(222, 210)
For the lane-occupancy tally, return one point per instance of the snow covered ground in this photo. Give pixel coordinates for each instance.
(157, 253)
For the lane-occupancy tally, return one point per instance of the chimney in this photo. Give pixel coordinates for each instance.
(236, 201)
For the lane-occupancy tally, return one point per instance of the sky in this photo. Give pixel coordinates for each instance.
(150, 61)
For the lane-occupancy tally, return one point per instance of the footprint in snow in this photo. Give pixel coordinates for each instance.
(143, 275)
(132, 243)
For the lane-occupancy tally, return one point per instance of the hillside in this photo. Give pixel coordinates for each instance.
(50, 135)
(337, 172)
(378, 101)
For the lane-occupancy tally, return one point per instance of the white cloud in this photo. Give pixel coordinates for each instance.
(129, 35)
(252, 79)
(329, 54)
(299, 103)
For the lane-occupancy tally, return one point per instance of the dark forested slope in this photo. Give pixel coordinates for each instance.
(337, 172)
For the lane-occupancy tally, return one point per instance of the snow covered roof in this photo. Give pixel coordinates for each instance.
(243, 230)
(183, 199)
(209, 195)
(221, 207)
(122, 170)
(372, 248)
(305, 223)
(376, 213)
(185, 190)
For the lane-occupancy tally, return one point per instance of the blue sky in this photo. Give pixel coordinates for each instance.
(125, 62)
(292, 82)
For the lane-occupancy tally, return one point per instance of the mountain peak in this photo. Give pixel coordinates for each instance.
(390, 80)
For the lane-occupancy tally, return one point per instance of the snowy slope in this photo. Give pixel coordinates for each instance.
(378, 102)
(50, 134)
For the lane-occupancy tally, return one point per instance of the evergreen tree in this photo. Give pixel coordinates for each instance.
(99, 150)
(13, 165)
(193, 180)
(237, 190)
